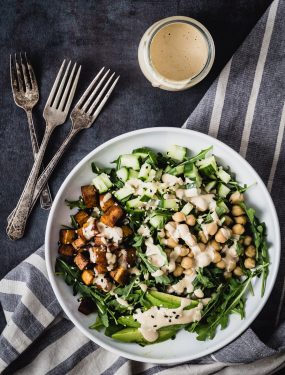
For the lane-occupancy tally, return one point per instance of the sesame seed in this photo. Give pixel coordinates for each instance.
(155, 326)
(169, 320)
(177, 316)
(152, 316)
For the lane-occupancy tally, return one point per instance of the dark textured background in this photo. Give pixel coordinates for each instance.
(95, 33)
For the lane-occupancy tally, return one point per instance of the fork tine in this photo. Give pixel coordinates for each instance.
(90, 110)
(72, 91)
(61, 86)
(106, 97)
(54, 87)
(64, 96)
(32, 76)
(13, 75)
(25, 73)
(19, 75)
(86, 92)
(84, 108)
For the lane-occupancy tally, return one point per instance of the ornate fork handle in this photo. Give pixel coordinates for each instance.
(46, 200)
(16, 227)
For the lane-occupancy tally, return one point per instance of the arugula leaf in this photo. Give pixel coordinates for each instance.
(98, 170)
(79, 203)
(73, 222)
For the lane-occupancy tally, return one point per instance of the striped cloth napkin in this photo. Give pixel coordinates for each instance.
(245, 109)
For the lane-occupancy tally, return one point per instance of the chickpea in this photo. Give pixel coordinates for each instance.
(215, 245)
(184, 251)
(228, 220)
(188, 272)
(191, 220)
(236, 197)
(198, 293)
(178, 260)
(231, 266)
(222, 235)
(171, 243)
(250, 251)
(238, 271)
(247, 240)
(217, 257)
(212, 228)
(187, 263)
(237, 210)
(179, 217)
(238, 229)
(202, 246)
(178, 271)
(227, 275)
(249, 263)
(202, 237)
(221, 265)
(240, 220)
(190, 255)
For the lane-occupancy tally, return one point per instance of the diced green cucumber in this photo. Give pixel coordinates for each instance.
(223, 175)
(210, 186)
(170, 204)
(157, 221)
(123, 193)
(102, 182)
(177, 152)
(176, 171)
(144, 171)
(208, 166)
(191, 171)
(223, 190)
(221, 208)
(123, 174)
(133, 174)
(187, 208)
(151, 175)
(134, 203)
(145, 198)
(158, 174)
(128, 321)
(130, 161)
(141, 152)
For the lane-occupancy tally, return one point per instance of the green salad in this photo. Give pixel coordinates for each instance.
(161, 243)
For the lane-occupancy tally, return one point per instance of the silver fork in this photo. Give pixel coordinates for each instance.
(82, 117)
(55, 113)
(26, 95)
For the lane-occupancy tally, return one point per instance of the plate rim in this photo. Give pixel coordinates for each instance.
(274, 267)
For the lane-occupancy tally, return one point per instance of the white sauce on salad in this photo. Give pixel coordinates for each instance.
(153, 253)
(184, 284)
(89, 231)
(144, 231)
(203, 202)
(102, 282)
(111, 233)
(171, 180)
(231, 257)
(155, 318)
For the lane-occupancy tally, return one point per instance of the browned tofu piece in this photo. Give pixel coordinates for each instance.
(126, 231)
(87, 277)
(81, 261)
(87, 306)
(66, 250)
(81, 217)
(89, 195)
(80, 234)
(66, 236)
(106, 201)
(112, 215)
(78, 243)
(99, 241)
(99, 258)
(119, 275)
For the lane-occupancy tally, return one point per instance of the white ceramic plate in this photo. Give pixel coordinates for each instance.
(185, 347)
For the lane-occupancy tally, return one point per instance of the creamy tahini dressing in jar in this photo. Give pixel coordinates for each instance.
(176, 53)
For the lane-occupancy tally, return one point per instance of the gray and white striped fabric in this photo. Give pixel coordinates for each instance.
(245, 109)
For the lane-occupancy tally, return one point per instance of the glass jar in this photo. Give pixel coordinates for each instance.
(152, 74)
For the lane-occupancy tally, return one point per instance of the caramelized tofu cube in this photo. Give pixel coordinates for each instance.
(119, 275)
(80, 233)
(87, 306)
(98, 256)
(89, 195)
(106, 201)
(66, 250)
(87, 277)
(81, 261)
(81, 217)
(78, 243)
(112, 215)
(66, 236)
(126, 231)
(100, 241)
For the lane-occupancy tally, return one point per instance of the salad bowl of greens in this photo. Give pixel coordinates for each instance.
(162, 234)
